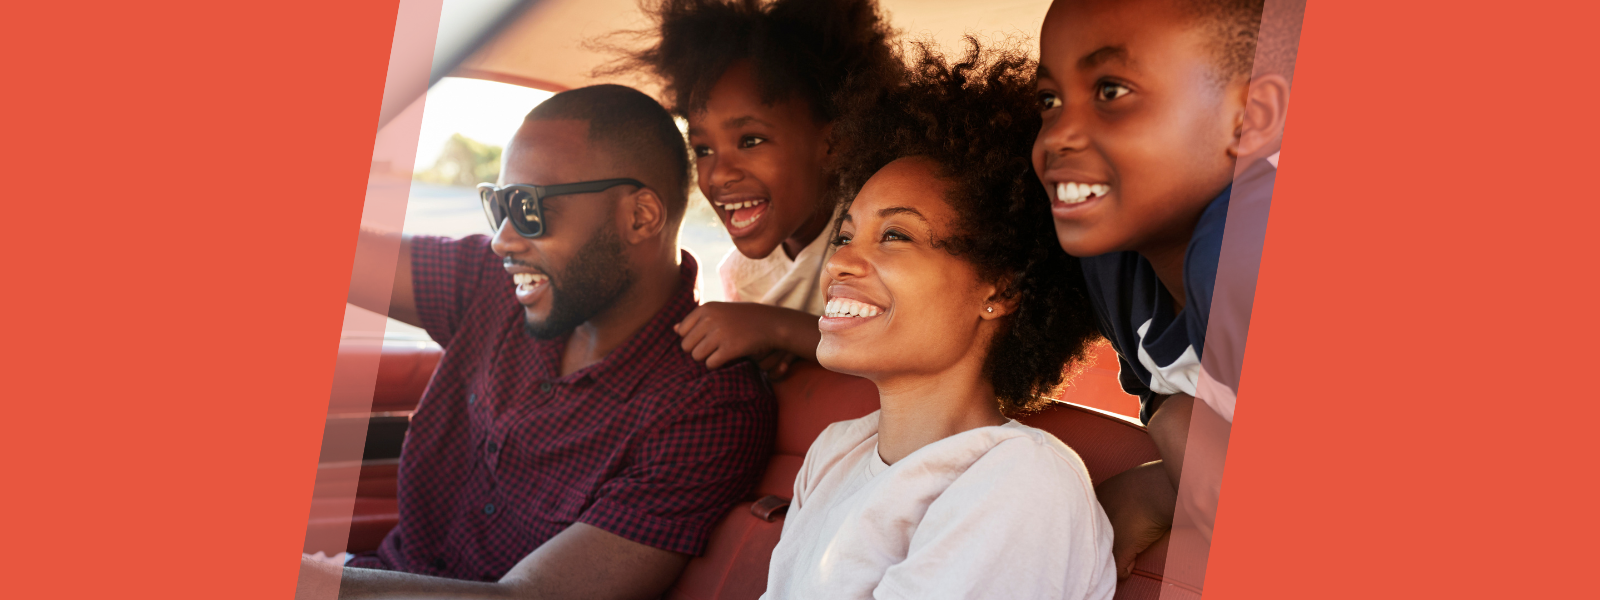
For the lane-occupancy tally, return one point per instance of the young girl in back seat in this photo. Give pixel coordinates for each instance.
(757, 83)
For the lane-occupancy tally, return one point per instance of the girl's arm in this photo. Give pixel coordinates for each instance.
(722, 332)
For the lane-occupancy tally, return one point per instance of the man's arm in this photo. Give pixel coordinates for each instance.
(371, 288)
(581, 562)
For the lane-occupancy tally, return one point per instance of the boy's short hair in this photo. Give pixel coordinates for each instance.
(1240, 37)
(633, 128)
(800, 48)
(1280, 37)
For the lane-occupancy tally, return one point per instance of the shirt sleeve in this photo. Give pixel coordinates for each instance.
(693, 466)
(725, 272)
(446, 277)
(1021, 522)
(1100, 280)
(1200, 272)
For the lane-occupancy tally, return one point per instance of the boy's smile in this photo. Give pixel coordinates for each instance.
(1139, 124)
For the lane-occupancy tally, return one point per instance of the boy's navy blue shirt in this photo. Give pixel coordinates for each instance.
(1159, 351)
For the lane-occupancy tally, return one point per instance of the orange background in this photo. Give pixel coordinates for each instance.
(185, 179)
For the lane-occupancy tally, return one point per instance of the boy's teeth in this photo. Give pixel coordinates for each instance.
(841, 307)
(1073, 192)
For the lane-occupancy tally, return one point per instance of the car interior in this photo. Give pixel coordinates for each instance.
(1091, 416)
(547, 45)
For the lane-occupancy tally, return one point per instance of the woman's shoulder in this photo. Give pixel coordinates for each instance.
(1015, 454)
(1034, 445)
(842, 436)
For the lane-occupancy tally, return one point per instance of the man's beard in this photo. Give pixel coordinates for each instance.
(591, 284)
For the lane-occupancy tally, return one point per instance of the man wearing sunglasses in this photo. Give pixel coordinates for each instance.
(566, 446)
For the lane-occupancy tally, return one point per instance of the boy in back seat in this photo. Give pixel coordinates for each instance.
(1149, 108)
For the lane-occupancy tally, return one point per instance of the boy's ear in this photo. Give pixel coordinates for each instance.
(1265, 112)
(646, 215)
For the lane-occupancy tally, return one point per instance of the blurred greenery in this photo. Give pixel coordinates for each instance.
(463, 162)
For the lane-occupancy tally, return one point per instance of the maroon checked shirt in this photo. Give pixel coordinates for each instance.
(504, 453)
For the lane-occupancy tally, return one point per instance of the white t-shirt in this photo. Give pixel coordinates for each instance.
(994, 512)
(778, 280)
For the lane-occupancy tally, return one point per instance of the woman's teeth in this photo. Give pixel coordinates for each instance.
(526, 281)
(841, 307)
(1073, 193)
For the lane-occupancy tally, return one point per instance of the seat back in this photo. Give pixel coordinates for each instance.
(734, 566)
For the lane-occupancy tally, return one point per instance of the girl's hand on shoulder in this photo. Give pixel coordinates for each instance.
(718, 333)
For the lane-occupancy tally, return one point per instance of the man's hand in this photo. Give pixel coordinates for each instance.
(319, 578)
(581, 562)
(718, 333)
(1139, 502)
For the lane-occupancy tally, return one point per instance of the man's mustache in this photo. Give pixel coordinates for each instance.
(511, 262)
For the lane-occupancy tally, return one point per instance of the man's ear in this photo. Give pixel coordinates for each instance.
(646, 215)
(1266, 110)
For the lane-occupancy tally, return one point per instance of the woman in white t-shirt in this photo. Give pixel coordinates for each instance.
(948, 291)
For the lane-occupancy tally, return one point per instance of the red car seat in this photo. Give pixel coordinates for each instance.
(734, 565)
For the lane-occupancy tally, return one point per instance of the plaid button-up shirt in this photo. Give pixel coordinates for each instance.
(504, 453)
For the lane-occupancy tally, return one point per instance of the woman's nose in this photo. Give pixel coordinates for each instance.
(846, 263)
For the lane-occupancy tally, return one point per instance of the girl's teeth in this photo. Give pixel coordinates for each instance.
(739, 205)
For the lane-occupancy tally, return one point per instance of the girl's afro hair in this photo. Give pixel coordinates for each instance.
(806, 49)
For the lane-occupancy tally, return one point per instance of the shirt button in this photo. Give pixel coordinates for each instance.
(493, 448)
(545, 387)
(471, 398)
(488, 509)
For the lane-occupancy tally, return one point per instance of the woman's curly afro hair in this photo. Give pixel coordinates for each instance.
(976, 120)
(806, 49)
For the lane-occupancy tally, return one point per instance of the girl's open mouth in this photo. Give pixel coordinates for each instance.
(743, 215)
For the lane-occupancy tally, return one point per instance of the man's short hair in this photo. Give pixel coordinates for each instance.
(632, 128)
(1237, 29)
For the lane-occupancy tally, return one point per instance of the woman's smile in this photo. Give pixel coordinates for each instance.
(847, 309)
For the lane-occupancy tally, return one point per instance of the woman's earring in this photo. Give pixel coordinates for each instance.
(989, 308)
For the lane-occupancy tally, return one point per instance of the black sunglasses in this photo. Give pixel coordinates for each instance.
(524, 204)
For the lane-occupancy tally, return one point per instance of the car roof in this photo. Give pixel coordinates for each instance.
(547, 45)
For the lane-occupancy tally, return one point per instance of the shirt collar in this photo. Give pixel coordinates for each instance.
(620, 370)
